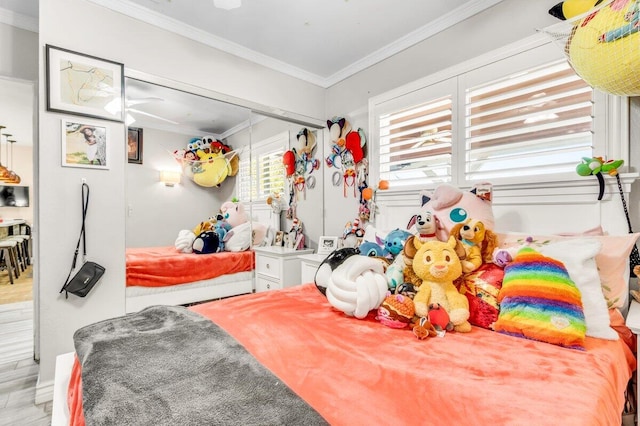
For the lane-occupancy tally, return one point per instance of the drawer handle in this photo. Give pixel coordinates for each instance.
(268, 286)
(268, 266)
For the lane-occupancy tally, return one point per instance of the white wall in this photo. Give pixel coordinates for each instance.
(505, 23)
(155, 212)
(19, 57)
(146, 49)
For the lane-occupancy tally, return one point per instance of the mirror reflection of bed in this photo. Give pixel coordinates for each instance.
(156, 213)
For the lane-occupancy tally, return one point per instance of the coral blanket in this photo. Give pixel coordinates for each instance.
(361, 372)
(163, 266)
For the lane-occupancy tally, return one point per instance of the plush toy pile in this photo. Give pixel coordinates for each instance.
(229, 230)
(207, 161)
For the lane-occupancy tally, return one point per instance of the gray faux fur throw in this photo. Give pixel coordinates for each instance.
(167, 365)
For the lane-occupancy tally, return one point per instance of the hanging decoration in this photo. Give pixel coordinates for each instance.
(603, 44)
(299, 163)
(7, 174)
(208, 161)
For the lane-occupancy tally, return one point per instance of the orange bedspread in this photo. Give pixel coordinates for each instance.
(361, 372)
(163, 266)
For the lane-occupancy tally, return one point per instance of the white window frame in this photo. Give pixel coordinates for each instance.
(273, 143)
(610, 125)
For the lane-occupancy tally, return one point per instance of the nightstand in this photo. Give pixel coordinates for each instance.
(309, 265)
(277, 267)
(633, 322)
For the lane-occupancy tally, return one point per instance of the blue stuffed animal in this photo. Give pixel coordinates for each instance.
(394, 242)
(368, 248)
(206, 242)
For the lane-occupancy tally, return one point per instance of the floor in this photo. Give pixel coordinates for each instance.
(18, 370)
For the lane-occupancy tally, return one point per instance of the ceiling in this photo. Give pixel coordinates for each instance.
(322, 42)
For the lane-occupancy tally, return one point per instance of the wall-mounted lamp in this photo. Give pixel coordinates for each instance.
(169, 178)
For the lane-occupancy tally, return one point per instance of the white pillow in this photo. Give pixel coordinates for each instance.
(578, 256)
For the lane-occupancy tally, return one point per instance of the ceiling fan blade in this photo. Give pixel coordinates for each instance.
(131, 102)
(157, 117)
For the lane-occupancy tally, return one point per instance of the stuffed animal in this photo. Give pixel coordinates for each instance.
(232, 212)
(423, 329)
(395, 241)
(206, 242)
(439, 317)
(239, 237)
(451, 205)
(306, 143)
(369, 248)
(425, 225)
(477, 241)
(396, 311)
(437, 264)
(215, 169)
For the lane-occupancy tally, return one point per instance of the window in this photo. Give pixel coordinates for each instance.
(505, 117)
(262, 172)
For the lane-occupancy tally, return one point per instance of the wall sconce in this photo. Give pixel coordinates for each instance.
(169, 178)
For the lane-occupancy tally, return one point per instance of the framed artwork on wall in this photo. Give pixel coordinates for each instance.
(327, 244)
(84, 145)
(85, 85)
(134, 145)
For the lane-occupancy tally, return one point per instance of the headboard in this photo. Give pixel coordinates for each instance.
(539, 208)
(550, 209)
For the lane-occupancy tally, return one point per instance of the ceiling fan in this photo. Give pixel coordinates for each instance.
(129, 103)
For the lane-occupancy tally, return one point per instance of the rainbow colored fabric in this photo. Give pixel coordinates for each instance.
(539, 301)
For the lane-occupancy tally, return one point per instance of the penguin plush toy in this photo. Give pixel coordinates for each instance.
(206, 242)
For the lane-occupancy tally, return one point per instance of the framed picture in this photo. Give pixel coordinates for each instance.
(279, 239)
(134, 145)
(84, 144)
(84, 85)
(327, 244)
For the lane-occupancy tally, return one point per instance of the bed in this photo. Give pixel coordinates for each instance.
(329, 368)
(345, 368)
(163, 275)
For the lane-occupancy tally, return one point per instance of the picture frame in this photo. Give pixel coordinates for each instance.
(279, 239)
(84, 85)
(327, 244)
(134, 145)
(84, 144)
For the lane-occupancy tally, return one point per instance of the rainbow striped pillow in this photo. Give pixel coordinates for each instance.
(539, 301)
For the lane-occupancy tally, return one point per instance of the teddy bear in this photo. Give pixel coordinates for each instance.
(477, 242)
(437, 265)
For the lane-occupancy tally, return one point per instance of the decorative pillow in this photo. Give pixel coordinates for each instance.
(579, 257)
(539, 301)
(482, 287)
(612, 260)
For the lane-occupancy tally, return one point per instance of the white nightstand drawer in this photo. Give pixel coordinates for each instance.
(268, 266)
(265, 284)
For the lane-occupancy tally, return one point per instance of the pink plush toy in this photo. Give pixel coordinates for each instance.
(243, 232)
(451, 205)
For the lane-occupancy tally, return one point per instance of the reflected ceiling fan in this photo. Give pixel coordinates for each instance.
(131, 103)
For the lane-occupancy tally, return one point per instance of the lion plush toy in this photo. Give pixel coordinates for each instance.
(437, 264)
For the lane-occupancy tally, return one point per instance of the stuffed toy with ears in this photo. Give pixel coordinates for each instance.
(451, 206)
(437, 265)
(306, 142)
(477, 242)
(233, 213)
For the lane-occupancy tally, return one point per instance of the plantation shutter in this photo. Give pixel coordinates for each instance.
(416, 136)
(263, 173)
(537, 122)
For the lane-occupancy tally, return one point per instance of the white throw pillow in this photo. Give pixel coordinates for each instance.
(579, 257)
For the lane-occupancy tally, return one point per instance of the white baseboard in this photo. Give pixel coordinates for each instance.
(44, 392)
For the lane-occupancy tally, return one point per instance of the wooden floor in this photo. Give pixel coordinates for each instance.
(18, 371)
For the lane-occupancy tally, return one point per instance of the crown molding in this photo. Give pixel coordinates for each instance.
(434, 27)
(18, 20)
(151, 17)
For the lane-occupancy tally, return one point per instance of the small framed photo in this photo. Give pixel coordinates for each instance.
(84, 144)
(134, 145)
(327, 244)
(279, 239)
(85, 85)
